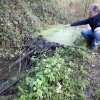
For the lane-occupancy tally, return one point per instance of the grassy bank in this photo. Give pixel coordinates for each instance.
(63, 76)
(66, 75)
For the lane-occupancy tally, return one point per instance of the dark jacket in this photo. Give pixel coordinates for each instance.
(94, 22)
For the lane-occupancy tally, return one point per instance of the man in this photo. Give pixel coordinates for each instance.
(92, 36)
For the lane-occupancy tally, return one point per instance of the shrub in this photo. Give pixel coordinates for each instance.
(56, 78)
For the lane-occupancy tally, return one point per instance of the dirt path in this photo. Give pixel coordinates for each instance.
(93, 90)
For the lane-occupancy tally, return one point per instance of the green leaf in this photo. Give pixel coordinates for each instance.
(40, 92)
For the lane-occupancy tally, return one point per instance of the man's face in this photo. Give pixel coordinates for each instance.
(92, 13)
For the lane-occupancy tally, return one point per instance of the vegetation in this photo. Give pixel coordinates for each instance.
(22, 18)
(59, 77)
(63, 76)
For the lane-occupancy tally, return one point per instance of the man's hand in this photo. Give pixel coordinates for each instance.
(66, 26)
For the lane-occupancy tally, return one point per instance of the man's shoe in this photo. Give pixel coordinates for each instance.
(95, 47)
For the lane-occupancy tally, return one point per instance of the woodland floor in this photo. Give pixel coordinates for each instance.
(94, 74)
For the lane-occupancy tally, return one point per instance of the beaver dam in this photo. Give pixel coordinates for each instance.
(14, 70)
(18, 67)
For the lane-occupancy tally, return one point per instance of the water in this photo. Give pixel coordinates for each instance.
(62, 35)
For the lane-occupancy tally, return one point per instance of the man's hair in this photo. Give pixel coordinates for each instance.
(95, 7)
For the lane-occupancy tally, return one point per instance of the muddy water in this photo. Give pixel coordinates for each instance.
(62, 35)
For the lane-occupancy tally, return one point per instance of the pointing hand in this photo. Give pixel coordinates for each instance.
(67, 25)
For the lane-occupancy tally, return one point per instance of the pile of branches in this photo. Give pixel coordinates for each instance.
(14, 70)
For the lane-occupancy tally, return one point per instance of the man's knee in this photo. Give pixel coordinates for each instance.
(97, 35)
(84, 32)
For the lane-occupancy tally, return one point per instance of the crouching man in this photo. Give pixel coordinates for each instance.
(92, 36)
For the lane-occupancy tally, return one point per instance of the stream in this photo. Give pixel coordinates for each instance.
(61, 35)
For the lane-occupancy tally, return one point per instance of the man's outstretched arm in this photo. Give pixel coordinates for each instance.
(83, 22)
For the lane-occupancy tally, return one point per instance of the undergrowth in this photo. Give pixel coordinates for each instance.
(60, 77)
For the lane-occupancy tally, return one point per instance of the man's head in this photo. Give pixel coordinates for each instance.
(93, 10)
